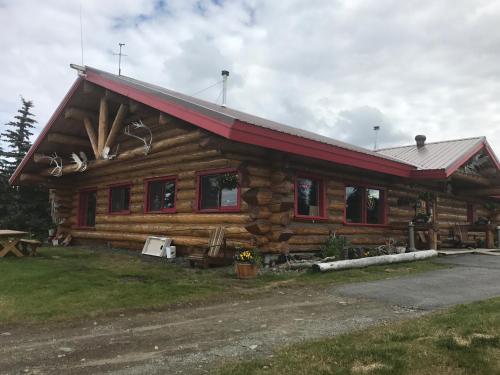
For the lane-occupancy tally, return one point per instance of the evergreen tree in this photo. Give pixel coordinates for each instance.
(21, 207)
(18, 138)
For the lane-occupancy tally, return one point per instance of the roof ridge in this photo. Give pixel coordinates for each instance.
(433, 143)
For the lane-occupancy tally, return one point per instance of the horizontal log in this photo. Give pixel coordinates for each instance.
(195, 218)
(257, 196)
(69, 140)
(259, 227)
(253, 181)
(285, 187)
(259, 212)
(80, 114)
(306, 240)
(196, 230)
(281, 218)
(158, 146)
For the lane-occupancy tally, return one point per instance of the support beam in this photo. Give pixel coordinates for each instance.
(165, 119)
(32, 178)
(164, 144)
(65, 139)
(116, 98)
(41, 159)
(471, 179)
(117, 125)
(79, 114)
(103, 124)
(484, 192)
(92, 136)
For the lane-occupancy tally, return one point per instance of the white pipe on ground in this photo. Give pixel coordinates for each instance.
(371, 261)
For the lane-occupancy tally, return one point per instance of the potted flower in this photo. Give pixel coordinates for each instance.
(246, 263)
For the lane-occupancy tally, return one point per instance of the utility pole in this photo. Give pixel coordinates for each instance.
(120, 54)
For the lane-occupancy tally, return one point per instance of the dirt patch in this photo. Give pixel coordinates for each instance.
(188, 339)
(366, 369)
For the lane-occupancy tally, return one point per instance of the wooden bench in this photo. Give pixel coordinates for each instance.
(29, 246)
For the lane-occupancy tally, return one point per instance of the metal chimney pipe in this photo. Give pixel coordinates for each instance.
(225, 74)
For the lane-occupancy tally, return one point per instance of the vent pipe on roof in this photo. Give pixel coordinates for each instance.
(420, 139)
(225, 74)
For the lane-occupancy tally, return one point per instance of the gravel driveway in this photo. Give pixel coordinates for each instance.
(192, 340)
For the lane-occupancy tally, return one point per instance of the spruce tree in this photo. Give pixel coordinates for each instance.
(18, 137)
(21, 207)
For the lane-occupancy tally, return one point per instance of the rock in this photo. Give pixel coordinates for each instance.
(66, 349)
(156, 347)
(253, 347)
(5, 334)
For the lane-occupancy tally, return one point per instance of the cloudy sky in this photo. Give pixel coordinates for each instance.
(334, 67)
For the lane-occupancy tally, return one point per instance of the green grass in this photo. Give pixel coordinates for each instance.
(68, 283)
(463, 340)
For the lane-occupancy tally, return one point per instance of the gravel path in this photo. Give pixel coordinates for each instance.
(192, 340)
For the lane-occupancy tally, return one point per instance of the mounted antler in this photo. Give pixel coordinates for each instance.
(140, 125)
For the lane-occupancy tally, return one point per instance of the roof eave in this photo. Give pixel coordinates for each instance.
(14, 178)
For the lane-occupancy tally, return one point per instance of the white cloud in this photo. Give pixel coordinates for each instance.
(334, 67)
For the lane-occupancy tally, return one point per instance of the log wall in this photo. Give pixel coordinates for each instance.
(266, 219)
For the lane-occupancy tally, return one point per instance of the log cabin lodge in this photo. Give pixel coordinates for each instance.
(125, 159)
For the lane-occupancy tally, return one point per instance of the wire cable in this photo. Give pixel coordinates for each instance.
(206, 88)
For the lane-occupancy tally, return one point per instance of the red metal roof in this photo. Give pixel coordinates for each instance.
(435, 158)
(237, 126)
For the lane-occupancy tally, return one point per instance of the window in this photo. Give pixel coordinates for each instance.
(160, 194)
(218, 191)
(309, 197)
(364, 205)
(119, 199)
(471, 214)
(87, 208)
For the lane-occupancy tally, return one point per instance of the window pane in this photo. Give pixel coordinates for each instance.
(120, 197)
(354, 204)
(374, 206)
(209, 192)
(169, 194)
(91, 208)
(155, 192)
(308, 197)
(213, 197)
(229, 197)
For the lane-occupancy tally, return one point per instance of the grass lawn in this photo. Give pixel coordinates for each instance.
(462, 340)
(68, 283)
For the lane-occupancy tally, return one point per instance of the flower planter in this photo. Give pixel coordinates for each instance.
(245, 270)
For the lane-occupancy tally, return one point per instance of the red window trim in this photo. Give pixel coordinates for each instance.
(146, 195)
(79, 208)
(363, 214)
(110, 188)
(322, 197)
(210, 172)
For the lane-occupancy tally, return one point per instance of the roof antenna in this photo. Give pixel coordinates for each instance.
(81, 31)
(225, 74)
(376, 130)
(120, 54)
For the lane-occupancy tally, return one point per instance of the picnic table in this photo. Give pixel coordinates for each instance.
(9, 239)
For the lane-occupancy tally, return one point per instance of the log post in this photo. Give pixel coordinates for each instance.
(92, 136)
(116, 126)
(103, 124)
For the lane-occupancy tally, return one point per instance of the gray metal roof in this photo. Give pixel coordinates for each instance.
(228, 115)
(435, 155)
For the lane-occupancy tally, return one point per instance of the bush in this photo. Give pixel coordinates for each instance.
(334, 246)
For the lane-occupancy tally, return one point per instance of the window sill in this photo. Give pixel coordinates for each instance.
(169, 211)
(83, 227)
(219, 210)
(310, 218)
(120, 213)
(365, 225)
